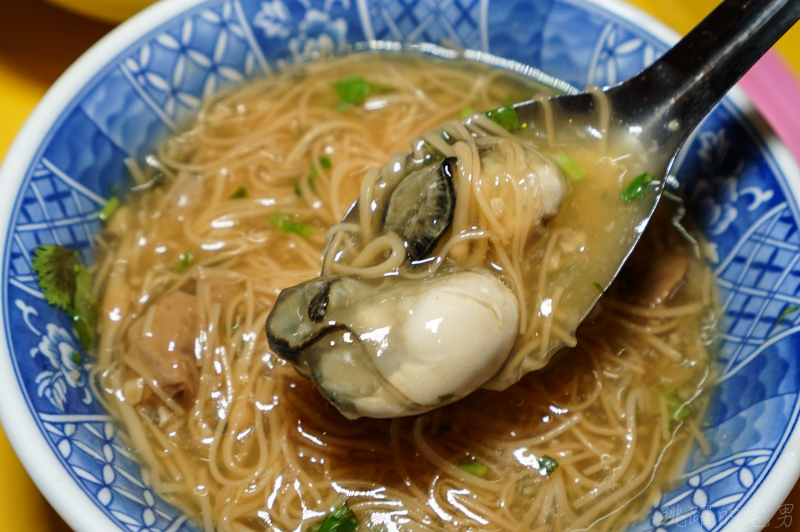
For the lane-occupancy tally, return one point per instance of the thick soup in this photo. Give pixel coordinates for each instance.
(236, 209)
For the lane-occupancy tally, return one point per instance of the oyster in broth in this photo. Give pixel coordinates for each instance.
(409, 314)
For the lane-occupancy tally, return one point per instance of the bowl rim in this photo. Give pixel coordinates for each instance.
(38, 455)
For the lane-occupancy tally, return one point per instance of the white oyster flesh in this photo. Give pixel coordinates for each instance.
(388, 349)
(445, 342)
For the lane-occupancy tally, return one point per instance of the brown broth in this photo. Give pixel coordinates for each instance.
(255, 447)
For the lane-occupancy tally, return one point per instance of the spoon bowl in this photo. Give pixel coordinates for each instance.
(656, 110)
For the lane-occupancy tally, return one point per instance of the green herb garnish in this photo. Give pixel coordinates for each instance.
(66, 284)
(343, 107)
(474, 467)
(108, 210)
(599, 287)
(505, 117)
(298, 190)
(325, 162)
(447, 397)
(57, 269)
(187, 259)
(676, 409)
(786, 312)
(467, 111)
(76, 357)
(284, 222)
(569, 166)
(635, 188)
(354, 90)
(240, 193)
(341, 519)
(547, 465)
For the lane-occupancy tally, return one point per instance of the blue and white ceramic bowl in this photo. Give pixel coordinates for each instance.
(149, 76)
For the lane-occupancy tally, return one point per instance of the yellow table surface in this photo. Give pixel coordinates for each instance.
(39, 41)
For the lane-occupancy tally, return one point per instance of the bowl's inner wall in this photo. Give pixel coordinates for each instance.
(734, 183)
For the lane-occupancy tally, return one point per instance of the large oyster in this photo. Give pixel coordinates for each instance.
(407, 316)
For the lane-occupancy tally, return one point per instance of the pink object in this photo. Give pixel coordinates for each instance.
(775, 91)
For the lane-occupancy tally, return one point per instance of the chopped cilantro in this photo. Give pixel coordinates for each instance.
(635, 188)
(676, 409)
(343, 107)
(298, 190)
(240, 193)
(284, 223)
(324, 162)
(447, 397)
(353, 90)
(66, 284)
(467, 111)
(342, 519)
(474, 467)
(569, 166)
(187, 259)
(57, 268)
(666, 520)
(599, 287)
(547, 465)
(786, 312)
(76, 357)
(111, 206)
(505, 117)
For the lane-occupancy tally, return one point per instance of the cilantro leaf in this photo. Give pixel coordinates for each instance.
(343, 107)
(239, 193)
(505, 117)
(56, 269)
(67, 285)
(676, 409)
(569, 166)
(187, 259)
(547, 466)
(786, 312)
(474, 467)
(447, 397)
(342, 519)
(635, 188)
(110, 208)
(353, 90)
(467, 111)
(599, 287)
(325, 162)
(284, 222)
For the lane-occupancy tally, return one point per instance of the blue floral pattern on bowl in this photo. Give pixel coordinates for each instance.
(741, 198)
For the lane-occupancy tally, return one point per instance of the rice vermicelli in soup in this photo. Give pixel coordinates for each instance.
(236, 209)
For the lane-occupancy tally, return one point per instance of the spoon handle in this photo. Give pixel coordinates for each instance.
(672, 95)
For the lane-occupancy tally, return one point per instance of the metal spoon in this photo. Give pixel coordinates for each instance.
(660, 106)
